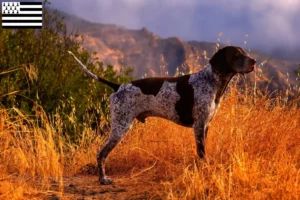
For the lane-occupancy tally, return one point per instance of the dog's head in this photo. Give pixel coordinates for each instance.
(232, 59)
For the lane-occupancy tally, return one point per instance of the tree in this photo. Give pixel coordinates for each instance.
(35, 68)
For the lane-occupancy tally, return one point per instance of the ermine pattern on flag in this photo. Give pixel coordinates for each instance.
(22, 15)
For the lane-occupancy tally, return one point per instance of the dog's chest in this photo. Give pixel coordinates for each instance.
(205, 106)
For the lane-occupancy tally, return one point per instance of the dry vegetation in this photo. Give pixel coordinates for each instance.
(252, 153)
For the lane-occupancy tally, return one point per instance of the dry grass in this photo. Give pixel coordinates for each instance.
(252, 153)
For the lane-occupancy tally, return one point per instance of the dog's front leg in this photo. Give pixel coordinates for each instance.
(200, 131)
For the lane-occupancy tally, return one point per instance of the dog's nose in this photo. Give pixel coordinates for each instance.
(252, 61)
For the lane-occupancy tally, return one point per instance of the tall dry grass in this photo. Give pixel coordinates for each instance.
(30, 152)
(252, 152)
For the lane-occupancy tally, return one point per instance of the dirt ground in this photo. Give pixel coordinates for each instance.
(86, 187)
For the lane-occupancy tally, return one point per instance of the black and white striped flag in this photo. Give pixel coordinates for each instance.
(22, 15)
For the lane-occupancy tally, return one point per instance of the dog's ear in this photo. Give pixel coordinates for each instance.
(218, 61)
(218, 58)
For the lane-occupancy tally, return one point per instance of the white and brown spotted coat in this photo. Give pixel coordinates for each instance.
(190, 100)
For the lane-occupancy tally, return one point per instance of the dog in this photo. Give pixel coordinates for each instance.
(190, 100)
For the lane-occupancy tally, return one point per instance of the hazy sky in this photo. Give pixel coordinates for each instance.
(268, 23)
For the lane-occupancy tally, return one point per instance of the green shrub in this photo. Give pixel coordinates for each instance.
(35, 68)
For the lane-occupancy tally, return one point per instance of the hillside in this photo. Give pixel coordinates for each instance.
(151, 55)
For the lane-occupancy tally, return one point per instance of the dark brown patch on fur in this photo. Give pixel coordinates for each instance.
(222, 61)
(219, 62)
(184, 106)
(151, 86)
(221, 66)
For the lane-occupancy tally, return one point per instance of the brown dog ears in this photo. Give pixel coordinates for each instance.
(218, 61)
(218, 58)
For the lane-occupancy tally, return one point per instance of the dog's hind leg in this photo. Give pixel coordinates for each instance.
(120, 126)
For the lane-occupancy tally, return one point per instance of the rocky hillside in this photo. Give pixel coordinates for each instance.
(151, 55)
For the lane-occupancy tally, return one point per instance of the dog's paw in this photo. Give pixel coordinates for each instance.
(105, 180)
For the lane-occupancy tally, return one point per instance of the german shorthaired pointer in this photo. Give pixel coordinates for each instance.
(190, 100)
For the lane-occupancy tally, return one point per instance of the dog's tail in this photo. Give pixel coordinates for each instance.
(90, 74)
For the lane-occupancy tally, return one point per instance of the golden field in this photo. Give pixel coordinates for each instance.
(252, 152)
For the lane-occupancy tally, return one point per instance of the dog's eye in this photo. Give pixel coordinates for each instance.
(237, 55)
